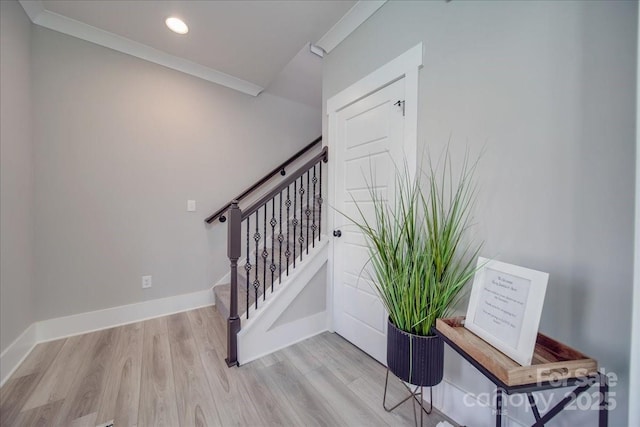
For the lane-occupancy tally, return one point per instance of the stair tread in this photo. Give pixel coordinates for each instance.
(223, 293)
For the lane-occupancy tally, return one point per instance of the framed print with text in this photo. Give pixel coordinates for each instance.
(505, 307)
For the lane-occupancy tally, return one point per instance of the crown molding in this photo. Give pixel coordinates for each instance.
(53, 21)
(360, 12)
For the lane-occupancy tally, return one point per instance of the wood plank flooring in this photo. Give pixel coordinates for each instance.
(170, 371)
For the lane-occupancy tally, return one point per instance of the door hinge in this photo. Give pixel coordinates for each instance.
(400, 103)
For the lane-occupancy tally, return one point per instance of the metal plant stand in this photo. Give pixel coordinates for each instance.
(415, 394)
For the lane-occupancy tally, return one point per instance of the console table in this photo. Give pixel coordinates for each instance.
(554, 366)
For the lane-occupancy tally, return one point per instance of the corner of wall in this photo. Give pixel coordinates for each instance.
(16, 352)
(17, 179)
(63, 327)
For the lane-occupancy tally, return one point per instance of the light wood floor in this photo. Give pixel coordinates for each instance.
(170, 371)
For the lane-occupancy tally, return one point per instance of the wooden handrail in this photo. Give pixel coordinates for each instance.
(323, 155)
(280, 169)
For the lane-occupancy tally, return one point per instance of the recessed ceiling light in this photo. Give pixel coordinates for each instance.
(177, 25)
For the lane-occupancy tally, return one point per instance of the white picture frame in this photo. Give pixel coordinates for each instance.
(505, 307)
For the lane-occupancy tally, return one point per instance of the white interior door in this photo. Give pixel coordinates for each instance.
(369, 137)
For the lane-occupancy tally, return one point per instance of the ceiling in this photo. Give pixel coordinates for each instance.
(247, 45)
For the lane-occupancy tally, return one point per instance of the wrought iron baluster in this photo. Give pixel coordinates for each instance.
(247, 265)
(273, 224)
(307, 212)
(314, 227)
(260, 247)
(287, 253)
(320, 204)
(265, 254)
(280, 239)
(295, 220)
(301, 238)
(256, 277)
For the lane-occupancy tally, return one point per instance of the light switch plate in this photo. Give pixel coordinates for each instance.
(146, 282)
(191, 205)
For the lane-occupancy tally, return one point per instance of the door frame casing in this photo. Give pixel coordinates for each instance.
(634, 353)
(405, 66)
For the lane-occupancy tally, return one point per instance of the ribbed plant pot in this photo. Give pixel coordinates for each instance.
(416, 359)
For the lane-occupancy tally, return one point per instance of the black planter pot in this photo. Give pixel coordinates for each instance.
(415, 359)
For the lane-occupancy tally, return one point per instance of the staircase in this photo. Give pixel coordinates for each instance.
(275, 249)
(247, 295)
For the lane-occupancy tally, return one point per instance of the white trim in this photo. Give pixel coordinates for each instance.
(40, 16)
(316, 50)
(406, 65)
(478, 410)
(305, 270)
(634, 356)
(467, 408)
(330, 226)
(255, 339)
(63, 327)
(411, 116)
(351, 20)
(16, 352)
(281, 337)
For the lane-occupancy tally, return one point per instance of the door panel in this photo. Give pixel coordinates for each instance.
(368, 146)
(365, 308)
(369, 168)
(368, 126)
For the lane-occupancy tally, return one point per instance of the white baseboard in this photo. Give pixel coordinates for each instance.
(465, 408)
(16, 352)
(63, 327)
(450, 398)
(469, 409)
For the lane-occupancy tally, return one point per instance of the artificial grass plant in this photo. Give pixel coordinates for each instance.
(419, 252)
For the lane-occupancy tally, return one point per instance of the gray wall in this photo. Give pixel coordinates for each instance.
(16, 174)
(548, 89)
(311, 300)
(120, 145)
